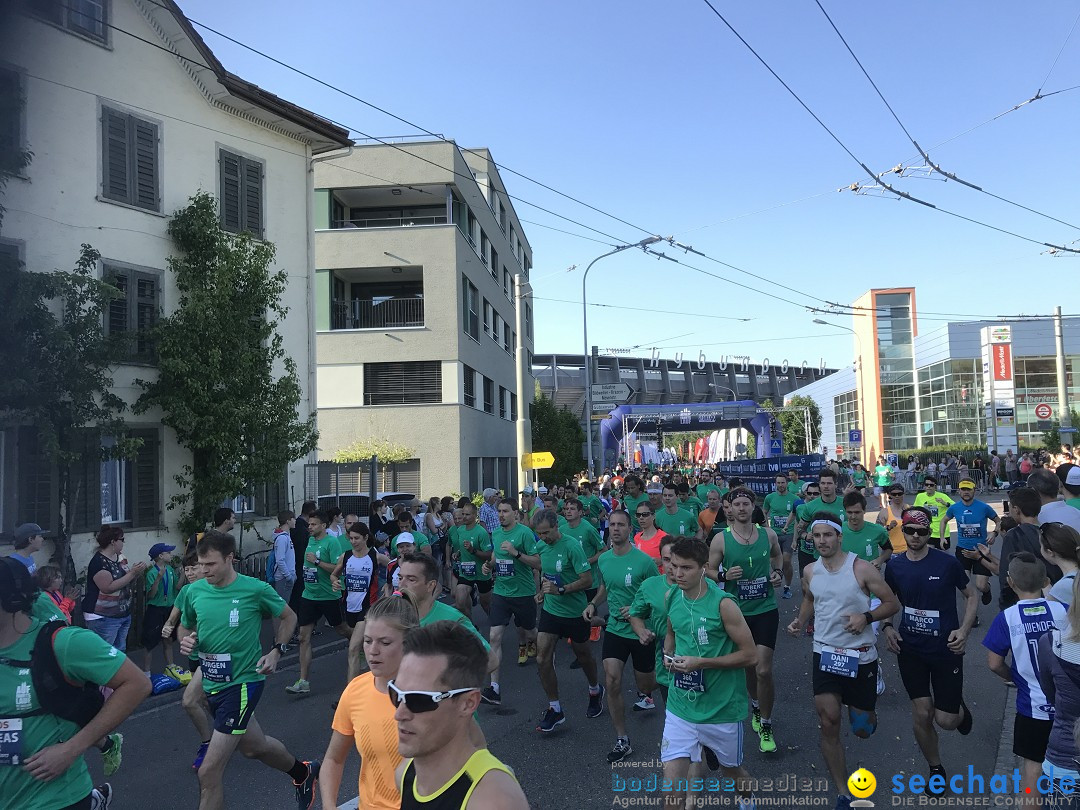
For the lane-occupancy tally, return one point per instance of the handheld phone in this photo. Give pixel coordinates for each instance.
(669, 659)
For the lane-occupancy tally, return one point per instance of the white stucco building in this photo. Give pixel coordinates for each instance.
(128, 114)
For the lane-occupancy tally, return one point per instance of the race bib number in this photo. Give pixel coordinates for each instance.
(357, 583)
(778, 522)
(922, 622)
(216, 667)
(554, 579)
(690, 681)
(970, 531)
(839, 661)
(467, 569)
(11, 741)
(311, 575)
(933, 509)
(504, 568)
(750, 589)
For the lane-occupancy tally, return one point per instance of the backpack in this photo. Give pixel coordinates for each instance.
(58, 696)
(271, 566)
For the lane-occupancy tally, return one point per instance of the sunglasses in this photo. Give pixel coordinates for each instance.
(422, 702)
(918, 531)
(643, 514)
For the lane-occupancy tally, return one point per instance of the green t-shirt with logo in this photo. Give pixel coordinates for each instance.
(590, 540)
(777, 507)
(703, 491)
(650, 603)
(563, 562)
(166, 592)
(317, 585)
(45, 609)
(470, 567)
(681, 524)
(84, 658)
(631, 505)
(442, 612)
(699, 631)
(692, 505)
(867, 542)
(513, 578)
(883, 475)
(593, 508)
(622, 576)
(806, 513)
(229, 621)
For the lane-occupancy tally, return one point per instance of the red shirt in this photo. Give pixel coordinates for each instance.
(651, 546)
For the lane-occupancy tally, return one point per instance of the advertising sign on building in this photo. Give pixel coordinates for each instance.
(999, 393)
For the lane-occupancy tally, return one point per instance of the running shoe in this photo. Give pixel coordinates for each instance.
(596, 703)
(621, 750)
(523, 656)
(965, 724)
(550, 720)
(101, 797)
(301, 687)
(200, 755)
(490, 696)
(115, 755)
(530, 648)
(843, 803)
(594, 633)
(755, 718)
(937, 770)
(766, 743)
(178, 674)
(307, 790)
(644, 703)
(987, 596)
(787, 592)
(880, 682)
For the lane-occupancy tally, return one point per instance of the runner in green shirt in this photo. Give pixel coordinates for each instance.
(223, 614)
(471, 547)
(706, 646)
(591, 505)
(650, 602)
(751, 561)
(319, 599)
(870, 541)
(633, 496)
(705, 486)
(671, 518)
(778, 506)
(688, 502)
(622, 570)
(565, 576)
(41, 762)
(585, 533)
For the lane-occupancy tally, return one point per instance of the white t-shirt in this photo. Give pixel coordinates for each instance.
(1060, 512)
(356, 578)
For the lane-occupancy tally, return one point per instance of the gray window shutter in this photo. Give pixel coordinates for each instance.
(36, 481)
(146, 165)
(230, 192)
(145, 482)
(144, 314)
(85, 506)
(118, 318)
(115, 158)
(253, 207)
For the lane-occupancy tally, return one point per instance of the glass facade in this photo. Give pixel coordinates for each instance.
(846, 410)
(1036, 382)
(896, 358)
(950, 403)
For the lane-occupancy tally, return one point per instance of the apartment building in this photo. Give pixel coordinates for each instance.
(421, 329)
(128, 114)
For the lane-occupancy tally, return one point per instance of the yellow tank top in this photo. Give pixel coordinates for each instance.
(455, 794)
(896, 535)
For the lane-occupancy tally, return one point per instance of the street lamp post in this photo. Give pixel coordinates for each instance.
(859, 362)
(585, 349)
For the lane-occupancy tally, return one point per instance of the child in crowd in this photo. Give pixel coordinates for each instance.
(162, 585)
(51, 581)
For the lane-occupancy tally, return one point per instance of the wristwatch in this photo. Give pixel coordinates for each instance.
(562, 590)
(281, 648)
(869, 617)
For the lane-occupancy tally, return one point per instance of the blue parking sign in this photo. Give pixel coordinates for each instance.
(854, 437)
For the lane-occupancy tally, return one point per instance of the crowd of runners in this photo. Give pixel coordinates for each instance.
(680, 575)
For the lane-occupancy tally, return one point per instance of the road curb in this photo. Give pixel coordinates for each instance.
(157, 702)
(1006, 760)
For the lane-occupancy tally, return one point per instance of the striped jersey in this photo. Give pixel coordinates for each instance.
(1017, 630)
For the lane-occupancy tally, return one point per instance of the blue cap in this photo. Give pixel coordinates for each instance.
(158, 548)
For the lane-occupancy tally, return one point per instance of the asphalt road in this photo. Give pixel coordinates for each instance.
(568, 768)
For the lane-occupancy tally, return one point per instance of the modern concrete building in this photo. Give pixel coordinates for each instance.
(423, 339)
(128, 114)
(970, 382)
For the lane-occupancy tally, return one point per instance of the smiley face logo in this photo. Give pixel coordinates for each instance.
(862, 783)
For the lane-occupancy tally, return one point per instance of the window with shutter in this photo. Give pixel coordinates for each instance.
(87, 508)
(35, 479)
(136, 310)
(145, 478)
(241, 189)
(12, 100)
(489, 395)
(410, 383)
(130, 169)
(513, 407)
(470, 387)
(502, 402)
(88, 18)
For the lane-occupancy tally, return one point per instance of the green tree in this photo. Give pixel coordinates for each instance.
(58, 375)
(1052, 440)
(557, 431)
(793, 423)
(387, 451)
(225, 384)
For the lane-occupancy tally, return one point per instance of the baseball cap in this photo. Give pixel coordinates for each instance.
(543, 490)
(528, 491)
(404, 537)
(654, 488)
(966, 483)
(24, 532)
(1069, 474)
(158, 548)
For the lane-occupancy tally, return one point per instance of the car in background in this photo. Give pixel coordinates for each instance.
(357, 503)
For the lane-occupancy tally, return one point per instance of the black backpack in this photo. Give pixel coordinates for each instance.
(56, 695)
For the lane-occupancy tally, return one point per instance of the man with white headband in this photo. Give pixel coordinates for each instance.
(836, 592)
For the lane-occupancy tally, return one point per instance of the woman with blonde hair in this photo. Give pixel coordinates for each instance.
(365, 715)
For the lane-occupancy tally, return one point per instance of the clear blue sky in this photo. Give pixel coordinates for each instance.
(654, 112)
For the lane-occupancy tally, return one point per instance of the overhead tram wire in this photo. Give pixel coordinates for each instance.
(1061, 50)
(405, 121)
(875, 177)
(645, 309)
(926, 157)
(363, 134)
